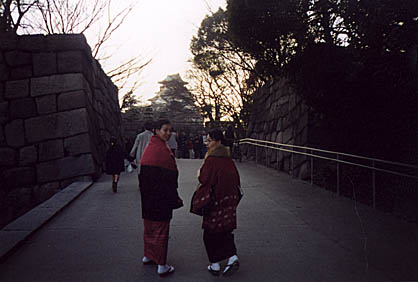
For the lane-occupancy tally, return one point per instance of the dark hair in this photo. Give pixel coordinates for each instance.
(217, 135)
(149, 125)
(160, 123)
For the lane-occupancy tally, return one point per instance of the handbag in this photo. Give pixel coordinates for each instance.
(129, 168)
(205, 209)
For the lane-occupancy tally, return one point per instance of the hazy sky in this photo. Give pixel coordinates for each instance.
(161, 30)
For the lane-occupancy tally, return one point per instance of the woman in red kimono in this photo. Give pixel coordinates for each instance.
(217, 198)
(158, 178)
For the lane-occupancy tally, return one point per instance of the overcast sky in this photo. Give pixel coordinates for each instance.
(161, 30)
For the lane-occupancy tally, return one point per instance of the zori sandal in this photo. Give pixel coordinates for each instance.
(168, 272)
(231, 268)
(213, 272)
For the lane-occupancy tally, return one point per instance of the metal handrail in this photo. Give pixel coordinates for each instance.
(331, 159)
(257, 142)
(331, 152)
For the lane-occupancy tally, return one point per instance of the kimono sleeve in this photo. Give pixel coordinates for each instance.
(201, 197)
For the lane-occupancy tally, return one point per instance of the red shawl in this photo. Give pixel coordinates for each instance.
(157, 153)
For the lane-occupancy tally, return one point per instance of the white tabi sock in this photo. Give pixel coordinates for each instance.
(232, 259)
(145, 259)
(215, 266)
(163, 268)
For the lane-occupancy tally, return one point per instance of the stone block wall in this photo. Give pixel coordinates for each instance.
(57, 111)
(280, 115)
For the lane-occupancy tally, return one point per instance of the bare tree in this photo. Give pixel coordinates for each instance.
(12, 13)
(126, 77)
(208, 94)
(66, 16)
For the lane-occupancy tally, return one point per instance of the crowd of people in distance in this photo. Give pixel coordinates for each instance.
(191, 145)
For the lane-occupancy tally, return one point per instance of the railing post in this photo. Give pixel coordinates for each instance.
(292, 164)
(374, 184)
(277, 157)
(311, 169)
(256, 153)
(338, 175)
(266, 158)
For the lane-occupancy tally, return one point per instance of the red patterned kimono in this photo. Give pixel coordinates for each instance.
(217, 198)
(158, 178)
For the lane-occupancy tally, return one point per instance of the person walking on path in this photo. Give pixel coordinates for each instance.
(230, 137)
(204, 148)
(172, 142)
(114, 162)
(197, 146)
(141, 142)
(159, 197)
(183, 151)
(217, 198)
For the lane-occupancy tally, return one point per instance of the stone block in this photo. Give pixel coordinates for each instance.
(4, 112)
(21, 72)
(4, 72)
(15, 134)
(56, 84)
(18, 58)
(70, 61)
(2, 138)
(28, 155)
(22, 108)
(65, 168)
(292, 101)
(73, 122)
(46, 104)
(285, 122)
(8, 157)
(279, 138)
(77, 145)
(64, 42)
(8, 41)
(1, 92)
(51, 150)
(57, 125)
(44, 63)
(287, 135)
(33, 43)
(20, 176)
(71, 100)
(17, 89)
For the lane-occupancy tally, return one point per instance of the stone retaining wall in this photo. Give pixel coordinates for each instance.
(280, 115)
(57, 111)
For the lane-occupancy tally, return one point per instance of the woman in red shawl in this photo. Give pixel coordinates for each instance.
(158, 178)
(217, 198)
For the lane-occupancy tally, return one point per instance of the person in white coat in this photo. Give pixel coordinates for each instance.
(141, 142)
(172, 142)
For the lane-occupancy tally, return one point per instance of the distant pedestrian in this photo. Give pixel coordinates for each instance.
(230, 137)
(182, 145)
(141, 142)
(159, 197)
(216, 199)
(190, 148)
(114, 162)
(197, 146)
(172, 142)
(204, 148)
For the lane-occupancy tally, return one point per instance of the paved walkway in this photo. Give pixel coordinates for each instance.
(287, 231)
